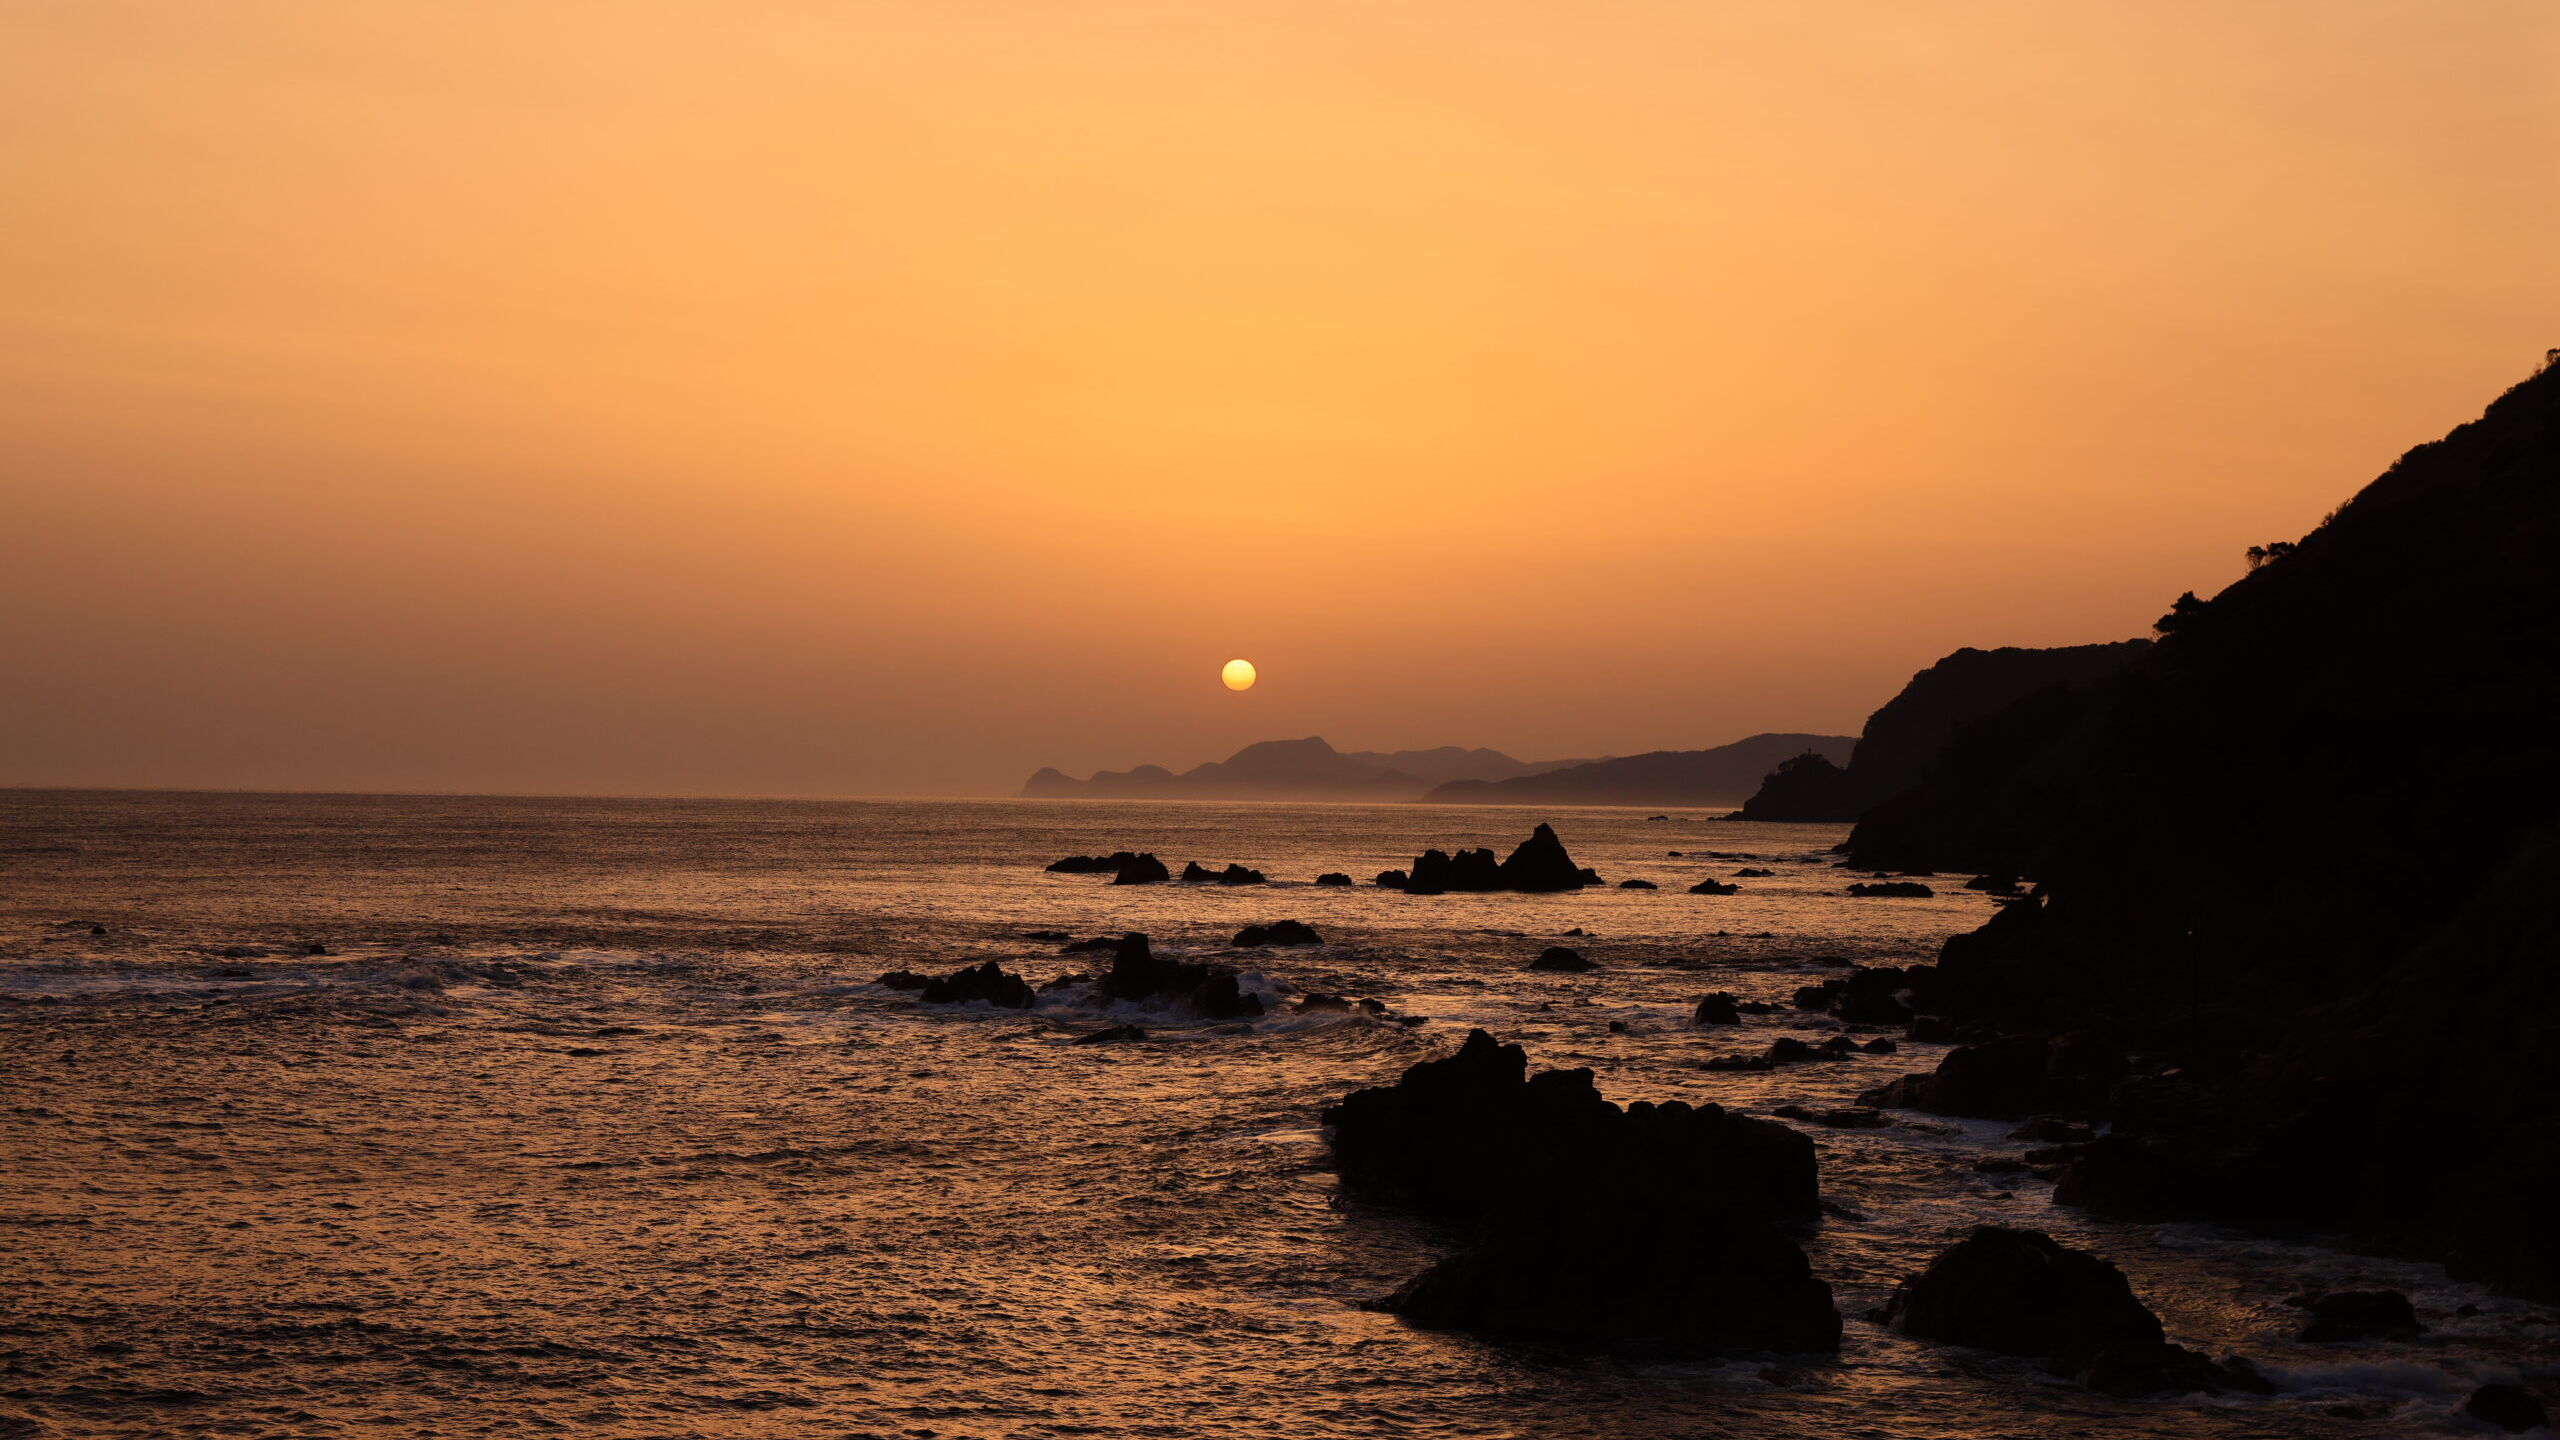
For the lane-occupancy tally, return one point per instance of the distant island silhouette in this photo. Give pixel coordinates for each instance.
(1307, 769)
(1723, 775)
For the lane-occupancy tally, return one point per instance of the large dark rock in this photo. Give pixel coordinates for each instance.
(1540, 863)
(2020, 1293)
(1561, 957)
(1141, 870)
(1195, 873)
(1714, 887)
(1650, 1223)
(1138, 975)
(1333, 877)
(1436, 872)
(990, 983)
(1716, 1009)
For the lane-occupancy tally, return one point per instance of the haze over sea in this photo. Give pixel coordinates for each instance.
(591, 1120)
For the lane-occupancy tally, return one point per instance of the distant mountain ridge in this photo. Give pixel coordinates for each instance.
(1725, 775)
(1308, 769)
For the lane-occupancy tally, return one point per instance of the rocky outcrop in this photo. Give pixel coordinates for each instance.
(1333, 877)
(2304, 858)
(1561, 957)
(1716, 1009)
(989, 983)
(1714, 887)
(2511, 1408)
(1892, 889)
(1717, 777)
(2358, 1315)
(1139, 976)
(1141, 870)
(2013, 1078)
(2019, 1293)
(1912, 734)
(1652, 1223)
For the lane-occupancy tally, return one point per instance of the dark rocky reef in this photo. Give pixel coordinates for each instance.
(1333, 877)
(1891, 889)
(1721, 776)
(1195, 873)
(2509, 1407)
(1092, 864)
(1714, 887)
(1139, 975)
(1716, 1009)
(1278, 932)
(2302, 860)
(989, 982)
(2020, 1293)
(1651, 1224)
(1561, 957)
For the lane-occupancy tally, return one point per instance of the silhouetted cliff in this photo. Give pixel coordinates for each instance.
(1720, 776)
(2301, 867)
(1907, 738)
(1306, 769)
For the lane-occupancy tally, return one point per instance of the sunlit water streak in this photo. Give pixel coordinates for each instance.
(591, 1122)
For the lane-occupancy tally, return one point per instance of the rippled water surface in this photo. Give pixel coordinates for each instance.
(589, 1121)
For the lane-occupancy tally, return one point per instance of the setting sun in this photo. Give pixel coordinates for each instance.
(1238, 674)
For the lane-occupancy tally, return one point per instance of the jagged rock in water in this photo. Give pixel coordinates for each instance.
(1714, 887)
(2509, 1407)
(1754, 872)
(1892, 889)
(1138, 975)
(2359, 1315)
(1541, 864)
(1653, 1223)
(1716, 1009)
(1278, 932)
(1141, 870)
(2020, 1293)
(897, 980)
(1340, 1005)
(989, 982)
(1437, 872)
(1333, 877)
(1195, 873)
(1561, 957)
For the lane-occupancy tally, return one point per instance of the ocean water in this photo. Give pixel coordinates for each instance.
(591, 1122)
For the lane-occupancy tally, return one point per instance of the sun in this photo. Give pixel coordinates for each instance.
(1238, 675)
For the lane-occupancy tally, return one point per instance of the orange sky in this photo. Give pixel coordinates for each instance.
(776, 396)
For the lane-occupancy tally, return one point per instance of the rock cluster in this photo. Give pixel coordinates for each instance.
(1892, 889)
(1278, 932)
(1138, 975)
(1196, 873)
(1656, 1224)
(1538, 865)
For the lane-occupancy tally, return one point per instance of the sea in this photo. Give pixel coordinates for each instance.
(394, 1116)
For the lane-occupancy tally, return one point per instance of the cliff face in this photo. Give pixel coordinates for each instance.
(1719, 776)
(1911, 734)
(2303, 850)
(1306, 769)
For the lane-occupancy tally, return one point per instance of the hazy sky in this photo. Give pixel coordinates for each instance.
(777, 396)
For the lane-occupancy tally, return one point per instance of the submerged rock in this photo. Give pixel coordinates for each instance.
(1561, 957)
(1137, 975)
(2509, 1407)
(1893, 889)
(1637, 885)
(1714, 887)
(989, 982)
(1110, 1035)
(1278, 932)
(894, 980)
(2359, 1315)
